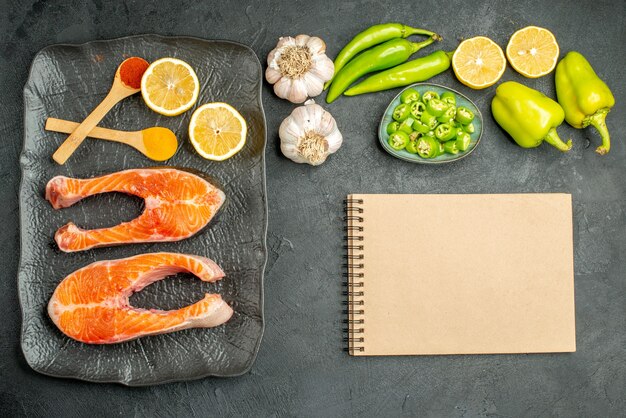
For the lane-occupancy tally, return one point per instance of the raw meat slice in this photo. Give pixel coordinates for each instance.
(91, 304)
(177, 205)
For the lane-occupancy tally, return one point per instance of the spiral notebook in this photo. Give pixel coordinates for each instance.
(459, 274)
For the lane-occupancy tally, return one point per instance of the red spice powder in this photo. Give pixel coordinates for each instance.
(132, 70)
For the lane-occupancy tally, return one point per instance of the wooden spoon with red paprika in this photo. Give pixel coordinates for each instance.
(127, 82)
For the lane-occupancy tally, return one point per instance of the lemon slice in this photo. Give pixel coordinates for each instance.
(170, 86)
(478, 62)
(533, 51)
(217, 131)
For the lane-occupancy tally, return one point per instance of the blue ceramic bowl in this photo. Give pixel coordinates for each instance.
(461, 100)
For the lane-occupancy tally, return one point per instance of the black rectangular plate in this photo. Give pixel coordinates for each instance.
(67, 82)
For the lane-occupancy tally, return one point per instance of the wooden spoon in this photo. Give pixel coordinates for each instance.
(118, 91)
(156, 143)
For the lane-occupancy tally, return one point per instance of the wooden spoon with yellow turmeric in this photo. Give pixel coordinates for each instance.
(157, 143)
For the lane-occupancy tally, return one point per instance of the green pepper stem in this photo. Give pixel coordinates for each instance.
(553, 139)
(408, 31)
(416, 46)
(598, 120)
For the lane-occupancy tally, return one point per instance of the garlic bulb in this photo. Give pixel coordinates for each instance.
(309, 134)
(298, 67)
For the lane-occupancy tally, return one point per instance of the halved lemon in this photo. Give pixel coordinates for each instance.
(533, 51)
(217, 131)
(170, 86)
(478, 62)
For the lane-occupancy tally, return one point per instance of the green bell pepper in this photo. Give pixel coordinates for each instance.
(585, 98)
(529, 116)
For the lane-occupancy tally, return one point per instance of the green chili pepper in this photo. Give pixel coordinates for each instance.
(388, 54)
(436, 107)
(392, 127)
(429, 95)
(460, 133)
(417, 108)
(449, 98)
(414, 71)
(398, 140)
(429, 120)
(463, 141)
(585, 98)
(427, 147)
(406, 125)
(450, 147)
(401, 112)
(375, 35)
(444, 132)
(448, 116)
(409, 95)
(529, 116)
(420, 127)
(469, 128)
(464, 115)
(411, 147)
(414, 135)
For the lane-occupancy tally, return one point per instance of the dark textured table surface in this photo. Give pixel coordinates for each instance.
(301, 369)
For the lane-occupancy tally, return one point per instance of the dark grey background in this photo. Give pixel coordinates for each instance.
(301, 369)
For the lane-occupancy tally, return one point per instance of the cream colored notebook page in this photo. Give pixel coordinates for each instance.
(460, 274)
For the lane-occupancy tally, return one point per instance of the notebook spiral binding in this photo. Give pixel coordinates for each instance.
(354, 276)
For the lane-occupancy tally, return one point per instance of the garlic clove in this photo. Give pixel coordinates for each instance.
(290, 131)
(327, 124)
(297, 92)
(308, 116)
(282, 88)
(272, 75)
(285, 41)
(301, 40)
(334, 139)
(314, 85)
(271, 57)
(323, 68)
(316, 45)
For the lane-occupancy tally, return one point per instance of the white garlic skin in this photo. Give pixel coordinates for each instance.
(309, 118)
(311, 83)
